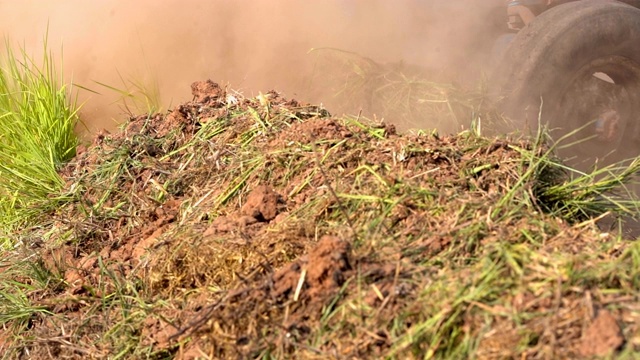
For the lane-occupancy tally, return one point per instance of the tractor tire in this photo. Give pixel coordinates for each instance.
(634, 3)
(576, 69)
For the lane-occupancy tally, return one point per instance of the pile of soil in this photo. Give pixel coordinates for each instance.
(245, 228)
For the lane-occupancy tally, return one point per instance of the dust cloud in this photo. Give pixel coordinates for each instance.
(251, 45)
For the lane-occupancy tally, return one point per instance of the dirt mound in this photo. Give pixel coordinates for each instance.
(233, 227)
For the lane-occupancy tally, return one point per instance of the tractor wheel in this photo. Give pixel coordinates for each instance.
(576, 69)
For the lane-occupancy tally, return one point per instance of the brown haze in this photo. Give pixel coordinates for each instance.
(252, 45)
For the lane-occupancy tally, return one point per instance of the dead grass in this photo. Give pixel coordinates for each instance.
(406, 95)
(265, 228)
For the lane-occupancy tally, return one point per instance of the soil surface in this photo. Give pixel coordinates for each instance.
(257, 228)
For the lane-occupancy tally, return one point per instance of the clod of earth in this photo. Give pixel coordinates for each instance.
(262, 203)
(603, 337)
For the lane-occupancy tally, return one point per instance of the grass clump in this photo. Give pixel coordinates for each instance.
(37, 136)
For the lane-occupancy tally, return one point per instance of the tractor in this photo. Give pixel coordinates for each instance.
(573, 66)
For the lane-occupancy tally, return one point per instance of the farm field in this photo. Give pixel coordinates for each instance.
(401, 216)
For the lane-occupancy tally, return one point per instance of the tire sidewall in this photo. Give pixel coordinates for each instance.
(544, 59)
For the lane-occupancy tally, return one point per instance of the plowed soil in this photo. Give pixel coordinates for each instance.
(266, 228)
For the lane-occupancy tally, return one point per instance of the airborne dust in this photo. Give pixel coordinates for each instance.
(251, 45)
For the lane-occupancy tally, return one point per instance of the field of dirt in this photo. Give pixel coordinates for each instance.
(232, 227)
(365, 210)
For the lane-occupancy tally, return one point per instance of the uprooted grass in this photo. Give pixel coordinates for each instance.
(400, 93)
(265, 228)
(137, 95)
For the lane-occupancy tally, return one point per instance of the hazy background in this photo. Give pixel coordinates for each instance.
(251, 45)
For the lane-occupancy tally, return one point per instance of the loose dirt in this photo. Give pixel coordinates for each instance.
(232, 227)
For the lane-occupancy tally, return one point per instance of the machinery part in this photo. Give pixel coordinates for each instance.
(634, 3)
(607, 126)
(579, 64)
(522, 12)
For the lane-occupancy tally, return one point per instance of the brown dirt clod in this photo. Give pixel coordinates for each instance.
(263, 204)
(206, 91)
(603, 337)
(326, 266)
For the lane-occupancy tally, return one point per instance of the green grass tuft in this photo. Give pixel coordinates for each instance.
(37, 136)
